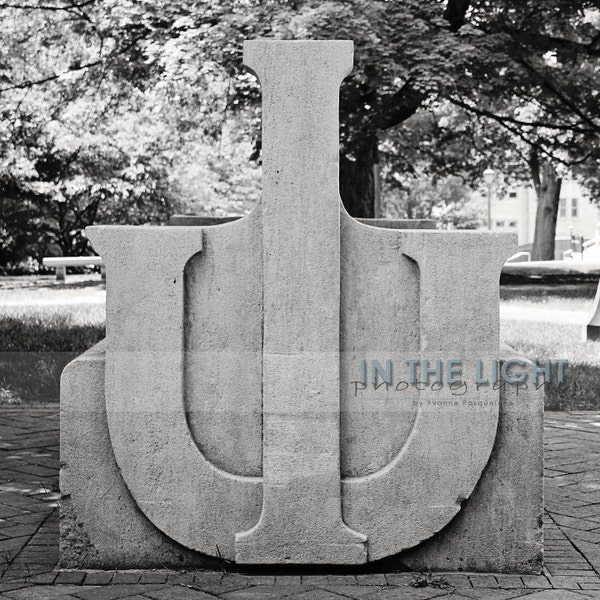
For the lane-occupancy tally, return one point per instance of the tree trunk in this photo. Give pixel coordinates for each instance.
(358, 178)
(547, 186)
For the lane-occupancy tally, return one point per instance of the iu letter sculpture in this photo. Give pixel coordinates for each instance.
(229, 412)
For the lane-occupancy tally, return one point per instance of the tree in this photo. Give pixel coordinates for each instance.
(528, 66)
(71, 156)
(547, 187)
(433, 140)
(63, 182)
(419, 196)
(491, 58)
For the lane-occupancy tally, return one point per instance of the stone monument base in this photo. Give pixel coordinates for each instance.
(102, 528)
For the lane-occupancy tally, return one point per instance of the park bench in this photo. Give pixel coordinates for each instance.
(60, 264)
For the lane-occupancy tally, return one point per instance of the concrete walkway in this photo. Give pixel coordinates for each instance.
(29, 535)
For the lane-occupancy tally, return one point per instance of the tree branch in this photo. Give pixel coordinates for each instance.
(455, 13)
(399, 107)
(486, 113)
(47, 7)
(549, 42)
(517, 132)
(29, 84)
(534, 168)
(89, 65)
(552, 88)
(406, 101)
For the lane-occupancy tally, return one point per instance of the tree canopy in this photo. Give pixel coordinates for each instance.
(105, 102)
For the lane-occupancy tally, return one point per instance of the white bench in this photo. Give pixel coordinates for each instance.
(60, 264)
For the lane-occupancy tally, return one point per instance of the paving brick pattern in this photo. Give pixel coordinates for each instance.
(29, 535)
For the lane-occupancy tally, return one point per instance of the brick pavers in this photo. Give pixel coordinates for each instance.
(29, 535)
(28, 491)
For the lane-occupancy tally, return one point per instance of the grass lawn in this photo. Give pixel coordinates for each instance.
(550, 326)
(44, 324)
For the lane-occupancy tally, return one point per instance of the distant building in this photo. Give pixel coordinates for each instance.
(516, 210)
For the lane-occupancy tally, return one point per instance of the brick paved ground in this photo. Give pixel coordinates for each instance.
(29, 532)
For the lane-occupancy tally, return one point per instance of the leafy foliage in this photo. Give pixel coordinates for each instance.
(447, 200)
(108, 104)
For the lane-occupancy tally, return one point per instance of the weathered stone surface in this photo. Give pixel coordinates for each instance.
(413, 493)
(301, 303)
(223, 331)
(183, 494)
(231, 359)
(101, 525)
(499, 528)
(197, 220)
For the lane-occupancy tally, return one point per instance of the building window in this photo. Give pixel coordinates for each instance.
(573, 207)
(562, 208)
(512, 194)
(512, 224)
(499, 224)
